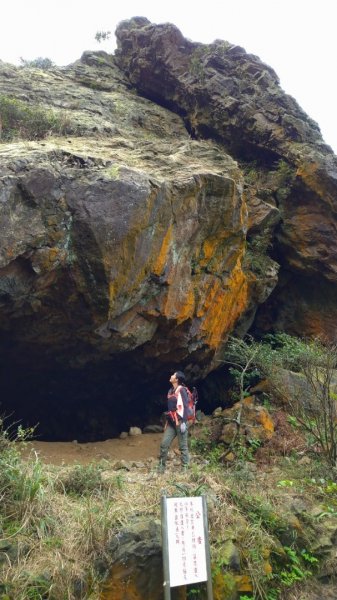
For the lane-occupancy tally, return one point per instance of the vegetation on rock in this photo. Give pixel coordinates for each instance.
(21, 120)
(301, 374)
(38, 63)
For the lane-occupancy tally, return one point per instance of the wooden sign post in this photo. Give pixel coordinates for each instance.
(186, 555)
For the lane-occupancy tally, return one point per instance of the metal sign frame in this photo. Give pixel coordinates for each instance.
(165, 547)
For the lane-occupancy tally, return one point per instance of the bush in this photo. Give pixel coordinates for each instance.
(30, 122)
(20, 483)
(102, 36)
(83, 480)
(313, 401)
(37, 63)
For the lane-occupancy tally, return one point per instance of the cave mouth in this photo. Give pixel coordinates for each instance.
(92, 403)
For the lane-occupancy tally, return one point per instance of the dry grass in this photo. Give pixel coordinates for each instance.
(57, 532)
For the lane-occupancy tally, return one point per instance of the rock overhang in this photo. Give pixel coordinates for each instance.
(127, 247)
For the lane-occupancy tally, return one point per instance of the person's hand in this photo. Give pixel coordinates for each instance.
(182, 427)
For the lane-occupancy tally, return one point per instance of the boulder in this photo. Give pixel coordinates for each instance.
(247, 421)
(134, 431)
(136, 570)
(137, 222)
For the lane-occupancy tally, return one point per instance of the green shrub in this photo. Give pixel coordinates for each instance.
(315, 410)
(37, 63)
(21, 120)
(83, 480)
(284, 177)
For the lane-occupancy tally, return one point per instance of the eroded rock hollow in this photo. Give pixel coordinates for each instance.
(180, 197)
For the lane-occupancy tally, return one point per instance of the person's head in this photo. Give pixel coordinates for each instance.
(178, 378)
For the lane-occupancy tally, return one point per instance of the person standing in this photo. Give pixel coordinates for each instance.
(176, 421)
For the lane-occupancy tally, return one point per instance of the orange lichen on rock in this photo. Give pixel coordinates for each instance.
(222, 306)
(161, 259)
(126, 583)
(248, 401)
(112, 295)
(208, 248)
(264, 418)
(244, 583)
(120, 590)
(53, 254)
(214, 252)
(268, 569)
(309, 173)
(224, 586)
(180, 304)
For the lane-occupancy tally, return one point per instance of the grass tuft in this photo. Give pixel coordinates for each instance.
(21, 120)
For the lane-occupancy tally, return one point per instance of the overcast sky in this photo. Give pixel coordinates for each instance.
(295, 37)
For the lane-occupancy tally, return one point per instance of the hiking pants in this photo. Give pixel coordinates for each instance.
(169, 434)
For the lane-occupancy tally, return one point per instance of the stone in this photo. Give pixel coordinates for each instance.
(134, 431)
(4, 545)
(136, 558)
(217, 412)
(108, 476)
(153, 429)
(228, 434)
(255, 423)
(121, 464)
(229, 457)
(200, 416)
(230, 555)
(225, 586)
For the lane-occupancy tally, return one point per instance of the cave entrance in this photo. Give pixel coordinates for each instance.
(96, 401)
(93, 403)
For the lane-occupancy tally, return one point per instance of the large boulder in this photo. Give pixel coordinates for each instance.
(164, 196)
(223, 93)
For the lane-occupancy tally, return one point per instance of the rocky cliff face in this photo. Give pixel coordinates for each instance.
(177, 195)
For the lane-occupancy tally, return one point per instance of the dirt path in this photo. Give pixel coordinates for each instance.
(132, 448)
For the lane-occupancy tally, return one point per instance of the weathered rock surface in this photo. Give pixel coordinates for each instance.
(228, 95)
(131, 231)
(137, 563)
(156, 224)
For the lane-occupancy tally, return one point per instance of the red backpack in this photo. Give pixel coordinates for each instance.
(192, 401)
(191, 410)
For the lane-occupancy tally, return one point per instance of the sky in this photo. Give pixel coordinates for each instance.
(297, 38)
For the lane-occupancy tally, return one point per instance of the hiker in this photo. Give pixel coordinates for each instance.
(176, 421)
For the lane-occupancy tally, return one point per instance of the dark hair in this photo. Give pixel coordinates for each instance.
(181, 377)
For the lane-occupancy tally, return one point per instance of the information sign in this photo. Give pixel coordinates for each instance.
(186, 540)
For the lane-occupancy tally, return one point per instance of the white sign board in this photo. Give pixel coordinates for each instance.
(186, 540)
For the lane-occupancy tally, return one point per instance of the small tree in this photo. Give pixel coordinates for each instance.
(310, 393)
(242, 355)
(317, 412)
(102, 36)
